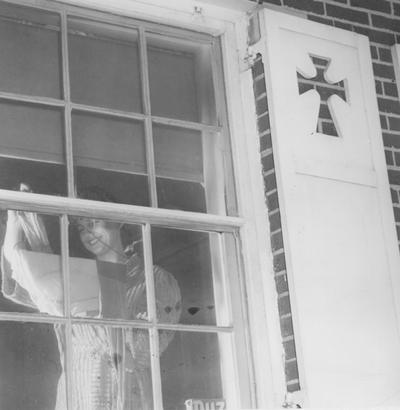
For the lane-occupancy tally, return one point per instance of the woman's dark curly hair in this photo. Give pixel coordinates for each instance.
(129, 233)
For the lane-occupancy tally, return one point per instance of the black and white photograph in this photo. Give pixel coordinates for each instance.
(199, 204)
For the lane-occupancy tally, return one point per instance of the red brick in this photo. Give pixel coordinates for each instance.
(279, 262)
(275, 221)
(390, 106)
(292, 387)
(262, 106)
(396, 214)
(389, 157)
(268, 162)
(291, 371)
(265, 142)
(394, 176)
(391, 140)
(395, 196)
(287, 326)
(281, 283)
(376, 36)
(290, 349)
(383, 70)
(263, 123)
(377, 5)
(394, 123)
(344, 26)
(387, 23)
(272, 201)
(378, 87)
(385, 55)
(374, 52)
(347, 14)
(390, 89)
(329, 128)
(396, 9)
(321, 20)
(259, 87)
(383, 122)
(270, 184)
(284, 305)
(258, 68)
(311, 6)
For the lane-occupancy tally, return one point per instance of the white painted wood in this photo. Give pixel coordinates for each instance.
(396, 64)
(263, 318)
(339, 232)
(258, 292)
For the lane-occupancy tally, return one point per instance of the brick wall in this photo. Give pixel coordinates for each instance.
(380, 21)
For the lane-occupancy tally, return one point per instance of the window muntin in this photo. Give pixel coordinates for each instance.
(30, 363)
(216, 200)
(167, 85)
(177, 269)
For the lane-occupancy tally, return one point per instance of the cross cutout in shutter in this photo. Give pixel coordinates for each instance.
(326, 123)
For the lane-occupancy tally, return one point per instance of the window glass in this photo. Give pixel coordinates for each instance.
(30, 51)
(110, 368)
(181, 83)
(31, 370)
(179, 168)
(191, 369)
(193, 258)
(32, 278)
(107, 278)
(104, 65)
(32, 134)
(110, 153)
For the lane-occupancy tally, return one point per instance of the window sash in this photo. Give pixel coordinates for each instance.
(218, 131)
(125, 213)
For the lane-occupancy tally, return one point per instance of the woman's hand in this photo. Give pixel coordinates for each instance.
(13, 238)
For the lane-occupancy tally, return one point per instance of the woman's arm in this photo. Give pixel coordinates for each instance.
(13, 239)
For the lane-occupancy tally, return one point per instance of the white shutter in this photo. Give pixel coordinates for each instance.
(339, 230)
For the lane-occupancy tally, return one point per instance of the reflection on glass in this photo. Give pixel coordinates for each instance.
(30, 51)
(182, 195)
(181, 83)
(193, 258)
(191, 369)
(112, 82)
(31, 370)
(106, 267)
(111, 368)
(178, 156)
(110, 153)
(31, 268)
(178, 153)
(31, 145)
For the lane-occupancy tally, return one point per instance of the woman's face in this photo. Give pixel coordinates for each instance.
(99, 237)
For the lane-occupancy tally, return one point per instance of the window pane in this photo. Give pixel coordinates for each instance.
(195, 292)
(191, 369)
(178, 153)
(179, 167)
(31, 269)
(107, 277)
(31, 145)
(104, 65)
(111, 368)
(31, 366)
(183, 195)
(30, 51)
(181, 83)
(110, 153)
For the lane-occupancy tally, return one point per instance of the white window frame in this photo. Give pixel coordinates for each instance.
(230, 23)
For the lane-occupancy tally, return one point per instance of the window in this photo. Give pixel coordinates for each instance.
(113, 295)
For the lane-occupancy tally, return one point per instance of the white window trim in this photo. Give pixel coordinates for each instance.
(264, 339)
(396, 63)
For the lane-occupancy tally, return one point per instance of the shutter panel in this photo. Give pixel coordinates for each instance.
(337, 217)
